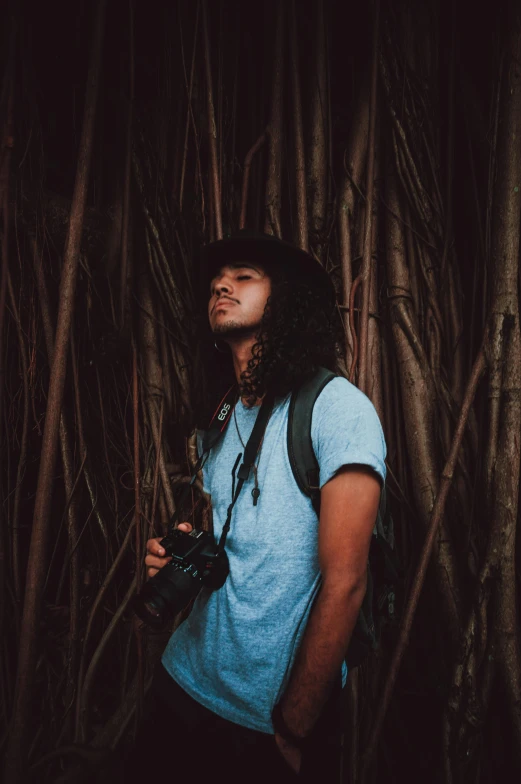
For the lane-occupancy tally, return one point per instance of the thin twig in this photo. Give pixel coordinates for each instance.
(421, 569)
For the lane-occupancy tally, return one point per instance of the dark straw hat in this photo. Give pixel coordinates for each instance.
(269, 251)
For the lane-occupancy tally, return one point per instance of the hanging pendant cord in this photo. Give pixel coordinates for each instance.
(250, 453)
(255, 467)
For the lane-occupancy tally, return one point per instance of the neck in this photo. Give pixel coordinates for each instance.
(241, 354)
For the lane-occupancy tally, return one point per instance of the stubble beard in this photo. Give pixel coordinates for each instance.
(235, 330)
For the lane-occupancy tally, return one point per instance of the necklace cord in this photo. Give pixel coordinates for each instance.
(250, 453)
(255, 492)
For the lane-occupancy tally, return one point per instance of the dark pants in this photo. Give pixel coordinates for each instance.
(180, 740)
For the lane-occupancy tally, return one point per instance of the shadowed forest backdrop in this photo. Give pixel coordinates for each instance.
(386, 139)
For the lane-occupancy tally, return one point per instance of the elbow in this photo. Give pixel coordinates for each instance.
(350, 587)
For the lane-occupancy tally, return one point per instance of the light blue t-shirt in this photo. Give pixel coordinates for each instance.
(235, 651)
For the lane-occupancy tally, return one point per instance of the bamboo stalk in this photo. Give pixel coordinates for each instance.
(212, 130)
(137, 524)
(317, 175)
(273, 180)
(5, 169)
(419, 406)
(504, 355)
(126, 182)
(300, 163)
(374, 338)
(80, 714)
(15, 755)
(22, 460)
(354, 162)
(154, 382)
(421, 569)
(368, 242)
(96, 657)
(69, 482)
(246, 177)
(189, 88)
(354, 340)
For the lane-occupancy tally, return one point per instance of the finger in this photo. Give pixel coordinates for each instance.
(185, 527)
(154, 548)
(155, 564)
(156, 561)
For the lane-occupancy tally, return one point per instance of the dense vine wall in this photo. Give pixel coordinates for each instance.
(382, 137)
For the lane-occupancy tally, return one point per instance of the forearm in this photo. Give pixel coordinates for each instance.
(320, 655)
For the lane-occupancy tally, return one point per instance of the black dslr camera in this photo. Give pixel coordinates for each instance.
(196, 561)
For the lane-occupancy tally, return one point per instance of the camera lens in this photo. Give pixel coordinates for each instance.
(166, 594)
(151, 610)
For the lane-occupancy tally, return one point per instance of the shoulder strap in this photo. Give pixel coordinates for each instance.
(302, 458)
(219, 420)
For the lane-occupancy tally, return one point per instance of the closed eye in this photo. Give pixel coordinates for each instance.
(243, 277)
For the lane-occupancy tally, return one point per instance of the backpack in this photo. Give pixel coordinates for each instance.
(383, 572)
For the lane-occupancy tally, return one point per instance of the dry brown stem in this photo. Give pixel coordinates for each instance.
(96, 657)
(354, 165)
(352, 295)
(68, 473)
(189, 113)
(80, 714)
(154, 380)
(273, 179)
(137, 520)
(368, 238)
(301, 234)
(421, 570)
(495, 606)
(246, 177)
(212, 129)
(5, 168)
(22, 460)
(37, 560)
(419, 404)
(374, 389)
(126, 182)
(318, 158)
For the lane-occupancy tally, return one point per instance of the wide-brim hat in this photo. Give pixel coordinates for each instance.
(269, 251)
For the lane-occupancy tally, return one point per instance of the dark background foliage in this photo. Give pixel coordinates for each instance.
(443, 253)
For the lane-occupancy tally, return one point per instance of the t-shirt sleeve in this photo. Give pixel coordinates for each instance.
(346, 429)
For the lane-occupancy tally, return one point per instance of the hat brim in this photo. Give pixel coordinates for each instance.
(269, 252)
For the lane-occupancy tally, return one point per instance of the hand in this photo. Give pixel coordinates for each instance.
(291, 754)
(155, 559)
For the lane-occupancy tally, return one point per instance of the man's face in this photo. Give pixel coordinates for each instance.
(238, 296)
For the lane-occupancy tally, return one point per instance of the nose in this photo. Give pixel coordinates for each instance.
(223, 286)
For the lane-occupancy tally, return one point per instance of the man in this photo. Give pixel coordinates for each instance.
(276, 634)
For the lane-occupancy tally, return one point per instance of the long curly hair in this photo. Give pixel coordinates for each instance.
(300, 331)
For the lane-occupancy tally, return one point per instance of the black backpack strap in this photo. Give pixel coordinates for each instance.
(302, 458)
(383, 571)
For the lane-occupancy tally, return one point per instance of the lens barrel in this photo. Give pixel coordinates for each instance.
(196, 560)
(166, 594)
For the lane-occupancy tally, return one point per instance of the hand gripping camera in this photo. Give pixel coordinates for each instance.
(196, 561)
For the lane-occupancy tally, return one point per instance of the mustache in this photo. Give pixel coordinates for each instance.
(224, 297)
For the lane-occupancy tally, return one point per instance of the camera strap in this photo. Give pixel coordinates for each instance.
(215, 430)
(220, 419)
(250, 453)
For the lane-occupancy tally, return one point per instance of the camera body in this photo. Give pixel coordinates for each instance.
(196, 561)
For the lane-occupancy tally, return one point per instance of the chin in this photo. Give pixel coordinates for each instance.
(234, 329)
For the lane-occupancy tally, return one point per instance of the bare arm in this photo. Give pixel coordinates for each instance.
(349, 504)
